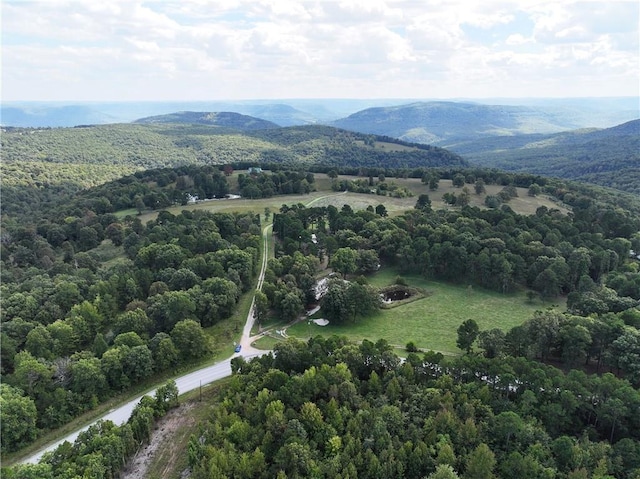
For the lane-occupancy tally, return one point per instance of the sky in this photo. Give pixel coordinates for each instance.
(131, 50)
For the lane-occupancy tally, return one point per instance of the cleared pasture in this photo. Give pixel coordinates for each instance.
(324, 196)
(432, 322)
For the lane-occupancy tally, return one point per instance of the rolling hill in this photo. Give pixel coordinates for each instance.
(608, 157)
(569, 113)
(53, 116)
(223, 119)
(157, 144)
(53, 161)
(282, 112)
(547, 141)
(443, 123)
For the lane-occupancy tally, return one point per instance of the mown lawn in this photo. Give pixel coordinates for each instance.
(432, 322)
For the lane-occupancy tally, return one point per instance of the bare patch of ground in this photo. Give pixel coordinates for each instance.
(162, 442)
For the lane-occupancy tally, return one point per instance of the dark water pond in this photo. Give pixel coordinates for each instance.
(396, 295)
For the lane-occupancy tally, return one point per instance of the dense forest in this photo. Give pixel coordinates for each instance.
(77, 331)
(330, 408)
(335, 409)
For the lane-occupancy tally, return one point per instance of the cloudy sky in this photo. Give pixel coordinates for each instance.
(119, 50)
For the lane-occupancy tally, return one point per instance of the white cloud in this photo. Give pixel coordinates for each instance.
(518, 39)
(204, 49)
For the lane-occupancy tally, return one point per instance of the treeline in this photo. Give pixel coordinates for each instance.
(378, 186)
(606, 342)
(79, 327)
(627, 179)
(498, 249)
(103, 450)
(331, 408)
(266, 185)
(151, 189)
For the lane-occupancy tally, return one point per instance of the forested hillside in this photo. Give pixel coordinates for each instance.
(514, 138)
(441, 123)
(609, 157)
(41, 166)
(154, 146)
(224, 119)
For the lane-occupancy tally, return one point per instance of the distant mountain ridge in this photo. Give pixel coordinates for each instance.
(223, 119)
(608, 157)
(52, 116)
(569, 113)
(444, 123)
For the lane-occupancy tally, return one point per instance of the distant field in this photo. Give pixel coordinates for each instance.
(523, 204)
(388, 146)
(432, 322)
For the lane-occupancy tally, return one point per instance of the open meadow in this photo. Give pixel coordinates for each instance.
(325, 196)
(432, 322)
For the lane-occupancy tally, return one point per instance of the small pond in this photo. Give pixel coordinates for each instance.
(395, 294)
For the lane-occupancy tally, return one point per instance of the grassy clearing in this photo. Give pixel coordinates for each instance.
(128, 212)
(266, 342)
(432, 322)
(239, 205)
(324, 196)
(108, 254)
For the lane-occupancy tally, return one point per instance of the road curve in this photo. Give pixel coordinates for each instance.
(185, 383)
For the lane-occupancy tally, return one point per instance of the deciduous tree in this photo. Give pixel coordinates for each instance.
(190, 339)
(18, 416)
(467, 333)
(345, 261)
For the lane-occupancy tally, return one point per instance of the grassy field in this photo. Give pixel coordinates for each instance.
(432, 322)
(324, 196)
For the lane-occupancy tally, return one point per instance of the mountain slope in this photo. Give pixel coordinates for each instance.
(224, 119)
(608, 157)
(279, 113)
(43, 166)
(441, 122)
(157, 145)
